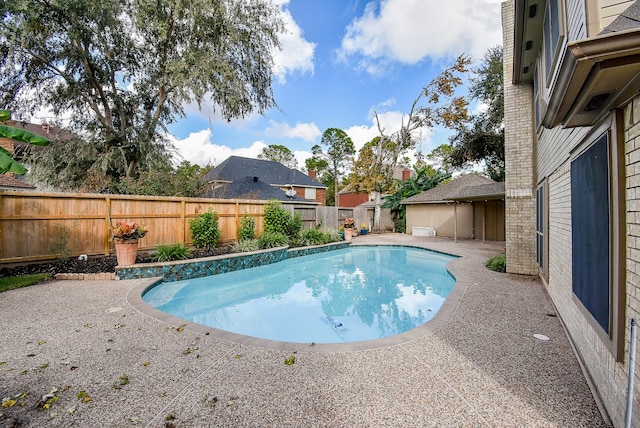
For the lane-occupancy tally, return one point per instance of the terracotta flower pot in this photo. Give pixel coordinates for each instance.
(347, 234)
(126, 251)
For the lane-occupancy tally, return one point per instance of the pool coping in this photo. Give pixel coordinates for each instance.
(442, 318)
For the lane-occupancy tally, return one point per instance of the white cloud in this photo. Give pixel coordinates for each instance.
(407, 31)
(305, 131)
(197, 149)
(296, 54)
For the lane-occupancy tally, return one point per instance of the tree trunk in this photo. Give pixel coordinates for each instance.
(376, 212)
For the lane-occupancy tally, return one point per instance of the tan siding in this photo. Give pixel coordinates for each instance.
(553, 148)
(441, 218)
(610, 9)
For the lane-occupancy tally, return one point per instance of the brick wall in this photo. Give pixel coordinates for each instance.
(520, 204)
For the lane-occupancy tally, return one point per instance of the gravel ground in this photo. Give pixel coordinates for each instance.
(80, 354)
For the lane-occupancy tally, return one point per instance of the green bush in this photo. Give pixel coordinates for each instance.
(247, 228)
(400, 224)
(167, 253)
(204, 230)
(333, 235)
(313, 237)
(279, 220)
(272, 240)
(246, 245)
(497, 263)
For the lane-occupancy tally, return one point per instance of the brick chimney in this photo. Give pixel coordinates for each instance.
(313, 174)
(46, 128)
(406, 174)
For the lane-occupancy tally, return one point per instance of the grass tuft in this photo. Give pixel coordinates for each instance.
(12, 282)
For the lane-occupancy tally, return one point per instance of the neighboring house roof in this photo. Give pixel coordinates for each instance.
(251, 188)
(447, 191)
(274, 173)
(9, 183)
(52, 133)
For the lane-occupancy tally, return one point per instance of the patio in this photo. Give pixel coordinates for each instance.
(479, 366)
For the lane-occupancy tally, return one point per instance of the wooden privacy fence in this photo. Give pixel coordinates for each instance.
(40, 226)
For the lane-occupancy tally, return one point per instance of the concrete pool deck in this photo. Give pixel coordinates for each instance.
(481, 366)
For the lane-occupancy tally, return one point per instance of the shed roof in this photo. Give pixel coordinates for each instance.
(481, 192)
(447, 191)
(274, 173)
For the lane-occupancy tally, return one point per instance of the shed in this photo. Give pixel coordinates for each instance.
(468, 207)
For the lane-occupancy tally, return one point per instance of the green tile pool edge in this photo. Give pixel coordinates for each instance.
(197, 268)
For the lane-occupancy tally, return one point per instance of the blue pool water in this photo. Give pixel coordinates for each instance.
(347, 295)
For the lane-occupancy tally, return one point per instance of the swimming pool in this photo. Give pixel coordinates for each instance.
(353, 294)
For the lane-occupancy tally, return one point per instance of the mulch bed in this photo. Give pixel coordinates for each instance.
(94, 264)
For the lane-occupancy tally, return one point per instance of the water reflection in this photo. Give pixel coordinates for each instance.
(347, 295)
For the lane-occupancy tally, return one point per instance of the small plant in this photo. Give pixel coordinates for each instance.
(125, 231)
(272, 240)
(497, 263)
(348, 223)
(60, 243)
(167, 253)
(204, 230)
(333, 235)
(246, 245)
(363, 226)
(313, 237)
(247, 228)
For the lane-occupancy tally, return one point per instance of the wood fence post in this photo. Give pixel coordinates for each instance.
(107, 222)
(183, 221)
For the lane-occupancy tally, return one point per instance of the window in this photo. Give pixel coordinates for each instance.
(598, 231)
(552, 35)
(310, 193)
(590, 202)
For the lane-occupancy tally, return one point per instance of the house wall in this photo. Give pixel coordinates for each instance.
(520, 232)
(352, 199)
(553, 151)
(441, 218)
(321, 194)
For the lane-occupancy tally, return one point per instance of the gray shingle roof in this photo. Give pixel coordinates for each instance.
(7, 181)
(447, 191)
(627, 20)
(483, 191)
(235, 168)
(247, 188)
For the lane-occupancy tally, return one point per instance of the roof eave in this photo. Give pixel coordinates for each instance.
(597, 75)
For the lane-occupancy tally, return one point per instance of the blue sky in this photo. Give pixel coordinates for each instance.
(341, 61)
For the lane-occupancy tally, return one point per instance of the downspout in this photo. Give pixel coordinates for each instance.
(632, 366)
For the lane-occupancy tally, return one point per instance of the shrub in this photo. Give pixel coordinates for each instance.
(333, 235)
(204, 230)
(497, 263)
(272, 240)
(247, 228)
(246, 245)
(279, 220)
(313, 237)
(400, 224)
(167, 253)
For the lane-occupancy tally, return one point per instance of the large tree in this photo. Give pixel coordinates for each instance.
(339, 150)
(436, 104)
(279, 153)
(123, 70)
(481, 137)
